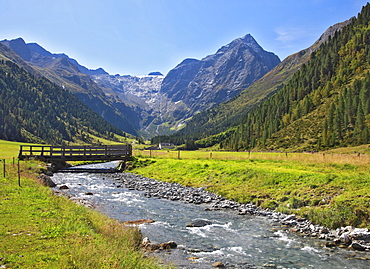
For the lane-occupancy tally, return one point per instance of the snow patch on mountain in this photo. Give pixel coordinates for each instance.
(142, 91)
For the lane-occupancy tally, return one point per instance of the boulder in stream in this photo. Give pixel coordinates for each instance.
(45, 180)
(199, 223)
(168, 245)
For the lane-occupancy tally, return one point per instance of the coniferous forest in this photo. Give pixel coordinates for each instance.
(36, 110)
(325, 104)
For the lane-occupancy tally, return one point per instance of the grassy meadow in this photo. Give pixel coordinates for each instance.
(327, 188)
(40, 230)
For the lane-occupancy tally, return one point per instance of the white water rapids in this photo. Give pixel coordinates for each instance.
(236, 241)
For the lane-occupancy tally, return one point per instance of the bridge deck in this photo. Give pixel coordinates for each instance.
(76, 153)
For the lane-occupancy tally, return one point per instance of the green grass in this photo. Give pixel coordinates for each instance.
(332, 190)
(362, 149)
(41, 230)
(9, 149)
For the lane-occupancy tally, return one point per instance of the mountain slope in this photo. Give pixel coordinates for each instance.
(191, 87)
(140, 93)
(218, 77)
(232, 112)
(33, 109)
(325, 104)
(67, 73)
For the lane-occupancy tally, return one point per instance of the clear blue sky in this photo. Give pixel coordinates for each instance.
(139, 36)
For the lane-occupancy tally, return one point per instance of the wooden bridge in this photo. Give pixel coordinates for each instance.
(75, 153)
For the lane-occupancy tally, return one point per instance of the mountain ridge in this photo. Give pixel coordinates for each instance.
(152, 109)
(37, 110)
(64, 72)
(191, 86)
(232, 112)
(220, 76)
(324, 105)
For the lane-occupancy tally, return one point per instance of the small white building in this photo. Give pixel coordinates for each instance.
(166, 146)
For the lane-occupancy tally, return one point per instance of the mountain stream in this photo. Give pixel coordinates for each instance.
(236, 241)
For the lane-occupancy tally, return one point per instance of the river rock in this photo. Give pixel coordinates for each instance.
(359, 234)
(199, 223)
(175, 191)
(345, 239)
(357, 246)
(151, 247)
(46, 181)
(145, 241)
(218, 265)
(168, 245)
(330, 244)
(64, 187)
(138, 222)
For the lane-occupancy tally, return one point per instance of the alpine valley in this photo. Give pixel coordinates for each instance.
(283, 171)
(315, 99)
(241, 97)
(153, 104)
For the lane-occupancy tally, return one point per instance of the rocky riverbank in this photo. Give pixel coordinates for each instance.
(346, 237)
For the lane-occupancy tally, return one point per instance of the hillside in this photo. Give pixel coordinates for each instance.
(140, 93)
(200, 84)
(33, 109)
(153, 104)
(231, 113)
(325, 104)
(166, 103)
(67, 73)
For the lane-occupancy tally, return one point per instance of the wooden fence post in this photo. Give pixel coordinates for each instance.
(19, 174)
(178, 155)
(4, 168)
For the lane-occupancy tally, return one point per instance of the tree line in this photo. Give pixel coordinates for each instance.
(325, 104)
(33, 109)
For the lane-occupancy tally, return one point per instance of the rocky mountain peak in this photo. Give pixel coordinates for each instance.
(156, 73)
(251, 42)
(19, 46)
(246, 42)
(200, 84)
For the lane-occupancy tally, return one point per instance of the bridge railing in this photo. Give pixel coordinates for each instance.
(75, 152)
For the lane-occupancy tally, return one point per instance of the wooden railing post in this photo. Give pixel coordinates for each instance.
(4, 168)
(19, 174)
